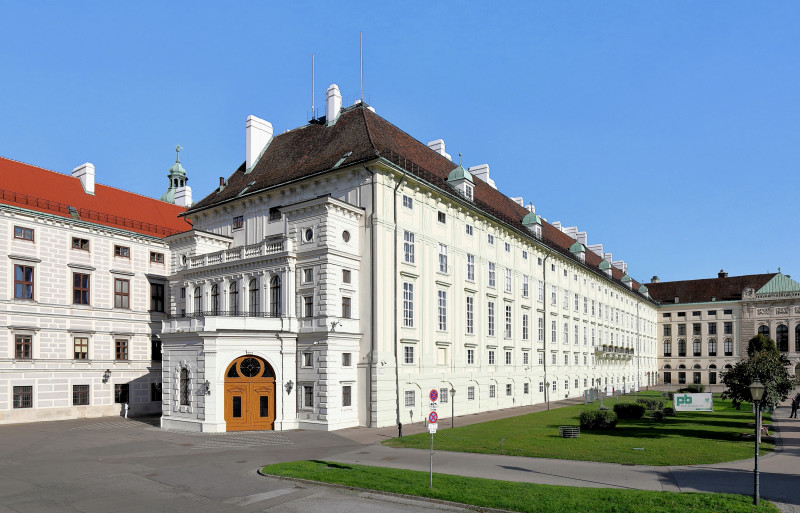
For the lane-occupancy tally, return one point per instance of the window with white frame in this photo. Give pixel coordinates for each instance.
(491, 274)
(408, 201)
(442, 310)
(525, 358)
(566, 299)
(408, 247)
(408, 304)
(508, 357)
(553, 293)
(442, 258)
(468, 229)
(524, 285)
(508, 388)
(408, 354)
(585, 336)
(470, 307)
(577, 358)
(470, 393)
(308, 396)
(524, 255)
(577, 301)
(443, 395)
(470, 356)
(553, 358)
(490, 357)
(524, 326)
(508, 321)
(470, 267)
(553, 331)
(541, 387)
(508, 247)
(585, 305)
(441, 217)
(540, 295)
(410, 396)
(541, 358)
(508, 280)
(541, 329)
(566, 333)
(566, 358)
(490, 323)
(347, 395)
(492, 392)
(575, 338)
(490, 238)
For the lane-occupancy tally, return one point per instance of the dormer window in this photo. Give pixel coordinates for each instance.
(537, 231)
(468, 191)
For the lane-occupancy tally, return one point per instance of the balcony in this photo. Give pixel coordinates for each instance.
(223, 320)
(266, 247)
(613, 353)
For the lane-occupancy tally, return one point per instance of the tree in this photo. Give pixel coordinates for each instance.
(768, 365)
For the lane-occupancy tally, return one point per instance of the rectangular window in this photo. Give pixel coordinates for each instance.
(540, 294)
(566, 358)
(23, 397)
(23, 347)
(238, 222)
(155, 392)
(491, 274)
(728, 328)
(156, 258)
(727, 312)
(491, 391)
(155, 350)
(468, 229)
(524, 255)
(80, 395)
(508, 322)
(408, 201)
(442, 258)
(541, 387)
(491, 357)
(566, 333)
(470, 315)
(345, 307)
(81, 348)
(508, 388)
(308, 306)
(156, 297)
(553, 293)
(121, 394)
(78, 243)
(408, 354)
(308, 359)
(121, 293)
(346, 276)
(525, 358)
(490, 238)
(696, 327)
(728, 347)
(23, 233)
(712, 328)
(508, 247)
(524, 326)
(667, 330)
(121, 349)
(508, 357)
(508, 280)
(410, 396)
(541, 358)
(553, 358)
(122, 251)
(681, 330)
(712, 347)
(308, 275)
(347, 359)
(566, 300)
(524, 286)
(540, 329)
(274, 214)
(308, 396)
(470, 267)
(408, 247)
(408, 305)
(667, 348)
(80, 289)
(490, 324)
(442, 310)
(470, 393)
(576, 336)
(470, 357)
(23, 282)
(577, 302)
(347, 396)
(553, 331)
(440, 216)
(443, 395)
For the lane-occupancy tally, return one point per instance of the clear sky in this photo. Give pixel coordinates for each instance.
(667, 130)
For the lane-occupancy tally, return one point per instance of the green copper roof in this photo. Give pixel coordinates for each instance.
(779, 283)
(531, 218)
(577, 248)
(643, 289)
(177, 169)
(626, 278)
(605, 264)
(459, 173)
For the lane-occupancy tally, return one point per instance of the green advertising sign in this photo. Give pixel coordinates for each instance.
(694, 402)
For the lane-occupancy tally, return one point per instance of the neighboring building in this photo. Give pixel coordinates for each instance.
(345, 269)
(705, 325)
(85, 293)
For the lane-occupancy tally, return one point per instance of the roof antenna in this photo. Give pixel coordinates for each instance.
(313, 112)
(361, 59)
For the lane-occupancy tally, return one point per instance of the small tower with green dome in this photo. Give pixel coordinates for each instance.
(178, 192)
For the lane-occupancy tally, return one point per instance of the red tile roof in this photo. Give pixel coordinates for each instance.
(707, 290)
(34, 188)
(317, 148)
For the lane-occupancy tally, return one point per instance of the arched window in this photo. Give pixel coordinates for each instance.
(697, 366)
(198, 300)
(253, 304)
(184, 387)
(275, 296)
(728, 367)
(214, 300)
(681, 347)
(763, 330)
(233, 299)
(782, 338)
(667, 366)
(728, 347)
(712, 347)
(667, 348)
(681, 366)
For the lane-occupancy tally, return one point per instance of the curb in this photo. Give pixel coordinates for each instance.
(431, 500)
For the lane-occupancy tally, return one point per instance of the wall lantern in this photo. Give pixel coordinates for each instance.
(106, 375)
(289, 387)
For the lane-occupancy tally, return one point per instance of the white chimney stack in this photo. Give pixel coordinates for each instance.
(597, 249)
(556, 225)
(582, 237)
(621, 265)
(85, 173)
(183, 196)
(518, 201)
(572, 231)
(333, 104)
(438, 147)
(482, 172)
(607, 257)
(258, 134)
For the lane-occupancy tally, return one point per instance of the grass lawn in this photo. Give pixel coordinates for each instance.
(689, 438)
(514, 496)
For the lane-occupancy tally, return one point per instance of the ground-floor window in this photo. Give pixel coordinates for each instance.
(667, 378)
(23, 397)
(525, 388)
(308, 396)
(491, 391)
(712, 378)
(442, 395)
(346, 395)
(681, 378)
(471, 393)
(80, 395)
(409, 398)
(696, 378)
(508, 389)
(155, 392)
(121, 393)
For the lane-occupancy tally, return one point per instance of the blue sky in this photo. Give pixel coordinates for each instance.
(667, 130)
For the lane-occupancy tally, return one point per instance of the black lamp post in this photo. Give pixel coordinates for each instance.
(452, 407)
(757, 393)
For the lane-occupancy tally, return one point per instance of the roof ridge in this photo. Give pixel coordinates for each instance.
(369, 132)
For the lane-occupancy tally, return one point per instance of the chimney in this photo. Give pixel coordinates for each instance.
(85, 173)
(655, 279)
(722, 273)
(572, 231)
(621, 265)
(258, 134)
(556, 225)
(607, 257)
(597, 249)
(481, 172)
(582, 238)
(333, 104)
(531, 208)
(438, 147)
(183, 196)
(518, 201)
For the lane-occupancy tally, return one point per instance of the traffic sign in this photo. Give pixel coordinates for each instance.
(434, 395)
(433, 417)
(433, 427)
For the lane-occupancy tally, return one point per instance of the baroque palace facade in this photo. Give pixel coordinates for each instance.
(340, 273)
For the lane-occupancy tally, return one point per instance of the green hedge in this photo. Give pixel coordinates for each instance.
(598, 419)
(692, 389)
(652, 404)
(629, 410)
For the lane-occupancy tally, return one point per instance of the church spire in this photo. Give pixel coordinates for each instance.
(177, 182)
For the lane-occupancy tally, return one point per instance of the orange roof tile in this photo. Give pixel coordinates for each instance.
(34, 188)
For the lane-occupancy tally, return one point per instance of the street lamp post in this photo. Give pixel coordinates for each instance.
(757, 393)
(452, 407)
(547, 393)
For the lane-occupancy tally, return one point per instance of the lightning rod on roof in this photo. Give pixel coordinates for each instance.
(361, 60)
(313, 114)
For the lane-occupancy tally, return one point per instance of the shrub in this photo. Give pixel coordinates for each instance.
(597, 419)
(657, 416)
(669, 412)
(652, 404)
(629, 410)
(692, 389)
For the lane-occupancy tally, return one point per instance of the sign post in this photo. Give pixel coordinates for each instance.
(432, 425)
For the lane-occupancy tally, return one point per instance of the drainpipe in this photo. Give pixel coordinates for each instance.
(373, 313)
(544, 341)
(394, 272)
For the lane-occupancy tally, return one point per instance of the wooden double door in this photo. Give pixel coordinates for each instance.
(249, 395)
